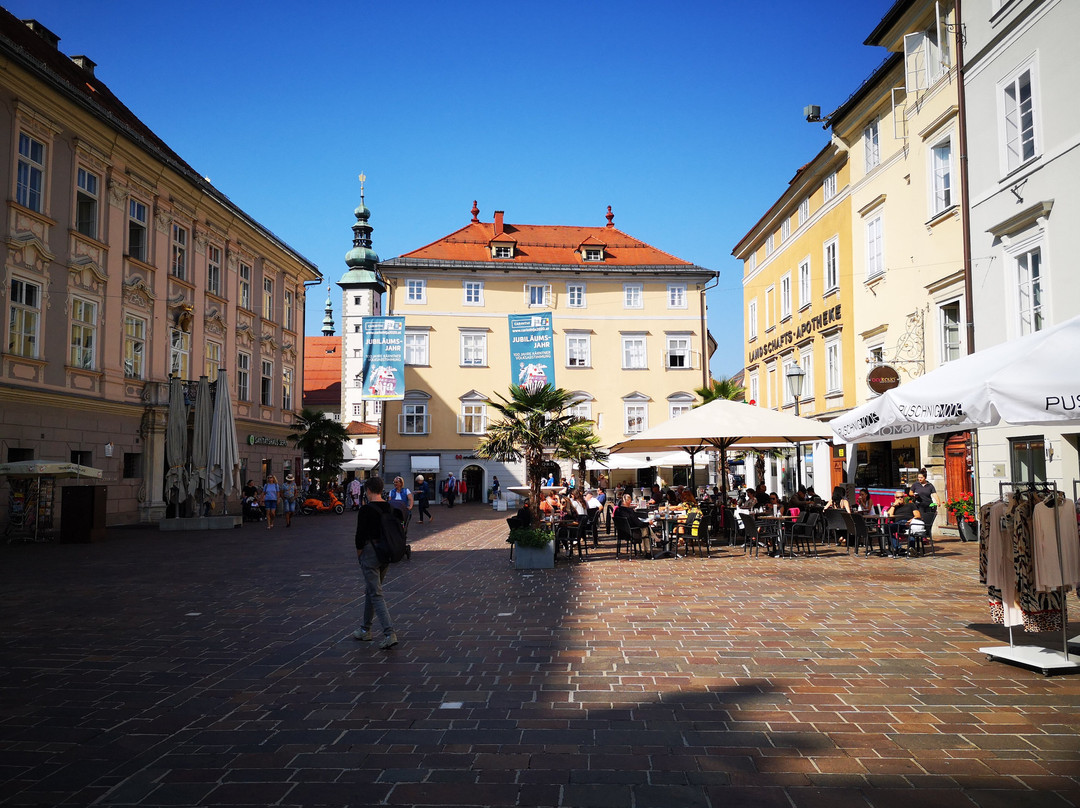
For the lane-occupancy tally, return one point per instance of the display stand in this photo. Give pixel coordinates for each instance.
(30, 509)
(1035, 657)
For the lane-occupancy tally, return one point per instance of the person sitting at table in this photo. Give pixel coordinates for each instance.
(838, 500)
(863, 503)
(626, 509)
(688, 499)
(523, 518)
(671, 498)
(902, 511)
(577, 506)
(548, 505)
(776, 504)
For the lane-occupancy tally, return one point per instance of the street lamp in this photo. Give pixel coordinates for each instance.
(795, 375)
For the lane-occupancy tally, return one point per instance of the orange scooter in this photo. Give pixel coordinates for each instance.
(314, 504)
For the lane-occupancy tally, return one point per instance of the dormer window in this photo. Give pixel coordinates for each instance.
(594, 254)
(502, 251)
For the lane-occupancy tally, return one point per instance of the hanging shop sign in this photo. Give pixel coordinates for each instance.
(882, 378)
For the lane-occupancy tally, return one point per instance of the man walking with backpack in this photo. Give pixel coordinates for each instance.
(369, 531)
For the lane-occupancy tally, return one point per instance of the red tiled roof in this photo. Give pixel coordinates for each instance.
(322, 371)
(361, 428)
(544, 244)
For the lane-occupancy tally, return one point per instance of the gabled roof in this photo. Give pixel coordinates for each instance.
(542, 244)
(322, 371)
(359, 429)
(592, 241)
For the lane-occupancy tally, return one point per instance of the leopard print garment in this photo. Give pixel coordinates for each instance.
(1043, 611)
(993, 593)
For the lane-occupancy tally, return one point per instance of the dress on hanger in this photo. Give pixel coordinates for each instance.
(1045, 545)
(1042, 611)
(1000, 576)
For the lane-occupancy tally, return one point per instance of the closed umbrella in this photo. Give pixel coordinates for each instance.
(200, 441)
(223, 460)
(176, 478)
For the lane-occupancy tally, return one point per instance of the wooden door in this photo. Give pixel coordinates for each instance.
(838, 472)
(957, 470)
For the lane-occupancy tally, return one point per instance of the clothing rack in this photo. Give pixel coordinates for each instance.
(1033, 656)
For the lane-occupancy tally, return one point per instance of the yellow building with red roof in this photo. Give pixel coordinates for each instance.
(629, 327)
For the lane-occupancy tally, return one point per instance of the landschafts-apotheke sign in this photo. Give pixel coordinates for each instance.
(263, 440)
(815, 323)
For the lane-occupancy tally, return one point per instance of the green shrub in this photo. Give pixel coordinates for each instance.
(530, 537)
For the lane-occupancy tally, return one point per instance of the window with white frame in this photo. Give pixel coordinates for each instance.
(751, 320)
(211, 360)
(473, 293)
(243, 376)
(876, 354)
(676, 296)
(785, 229)
(755, 389)
(245, 286)
(828, 187)
(632, 296)
(751, 261)
(86, 202)
(473, 418)
(831, 260)
(949, 315)
(924, 60)
(637, 417)
(416, 347)
(578, 350)
(678, 352)
(594, 254)
(804, 283)
(83, 333)
(941, 176)
(769, 247)
(770, 307)
(679, 404)
(875, 257)
(786, 364)
(806, 362)
(575, 295)
(633, 352)
(134, 347)
(180, 353)
(473, 348)
(804, 210)
(30, 185)
(582, 408)
(871, 146)
(267, 384)
(413, 419)
(268, 299)
(415, 290)
(1018, 103)
(213, 269)
(785, 296)
(288, 310)
(138, 234)
(503, 251)
(358, 409)
(833, 369)
(538, 295)
(178, 264)
(286, 388)
(1029, 279)
(24, 317)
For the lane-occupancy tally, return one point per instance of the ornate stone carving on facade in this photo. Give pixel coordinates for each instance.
(91, 155)
(214, 324)
(28, 246)
(288, 350)
(162, 220)
(244, 334)
(118, 193)
(269, 341)
(202, 238)
(84, 273)
(33, 121)
(137, 293)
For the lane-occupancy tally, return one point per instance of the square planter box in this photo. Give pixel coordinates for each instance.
(535, 558)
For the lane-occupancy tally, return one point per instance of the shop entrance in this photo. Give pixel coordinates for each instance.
(957, 470)
(474, 483)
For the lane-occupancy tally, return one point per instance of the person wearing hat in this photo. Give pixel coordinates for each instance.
(288, 499)
(423, 497)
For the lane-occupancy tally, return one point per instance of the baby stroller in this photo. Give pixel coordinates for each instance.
(253, 511)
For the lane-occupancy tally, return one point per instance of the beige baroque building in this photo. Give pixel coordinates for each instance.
(122, 265)
(629, 324)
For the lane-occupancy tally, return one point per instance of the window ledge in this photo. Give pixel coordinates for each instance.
(951, 212)
(875, 279)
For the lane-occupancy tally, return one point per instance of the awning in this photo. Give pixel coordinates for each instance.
(47, 468)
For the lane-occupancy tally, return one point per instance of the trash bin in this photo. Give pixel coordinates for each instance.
(82, 513)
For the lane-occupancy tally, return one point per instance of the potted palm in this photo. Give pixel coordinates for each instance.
(963, 509)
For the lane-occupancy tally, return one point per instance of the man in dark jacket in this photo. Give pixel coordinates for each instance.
(368, 528)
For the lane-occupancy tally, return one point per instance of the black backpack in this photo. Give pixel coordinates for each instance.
(390, 544)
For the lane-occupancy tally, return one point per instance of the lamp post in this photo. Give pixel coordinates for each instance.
(795, 375)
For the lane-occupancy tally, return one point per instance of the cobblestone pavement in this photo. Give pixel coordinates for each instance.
(218, 669)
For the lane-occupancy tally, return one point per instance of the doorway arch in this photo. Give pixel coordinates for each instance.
(473, 476)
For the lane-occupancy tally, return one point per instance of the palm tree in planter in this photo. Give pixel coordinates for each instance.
(581, 445)
(322, 441)
(533, 419)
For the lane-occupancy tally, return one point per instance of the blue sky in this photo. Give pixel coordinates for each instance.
(685, 118)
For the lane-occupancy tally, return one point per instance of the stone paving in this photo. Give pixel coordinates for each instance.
(218, 669)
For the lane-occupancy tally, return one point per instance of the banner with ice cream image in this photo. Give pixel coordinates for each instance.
(384, 358)
(532, 350)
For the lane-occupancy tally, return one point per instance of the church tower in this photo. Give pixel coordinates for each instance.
(362, 287)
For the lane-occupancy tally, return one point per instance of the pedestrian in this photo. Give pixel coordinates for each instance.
(369, 528)
(401, 499)
(494, 487)
(355, 487)
(288, 499)
(270, 497)
(451, 489)
(422, 494)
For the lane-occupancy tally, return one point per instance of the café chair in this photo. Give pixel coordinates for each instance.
(920, 539)
(835, 526)
(751, 535)
(633, 535)
(805, 532)
(695, 532)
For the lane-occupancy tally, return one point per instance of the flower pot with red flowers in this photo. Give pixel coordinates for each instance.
(963, 510)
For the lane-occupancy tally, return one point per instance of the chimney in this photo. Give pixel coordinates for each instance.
(498, 222)
(85, 62)
(43, 32)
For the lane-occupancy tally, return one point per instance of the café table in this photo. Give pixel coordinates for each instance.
(778, 531)
(884, 530)
(667, 521)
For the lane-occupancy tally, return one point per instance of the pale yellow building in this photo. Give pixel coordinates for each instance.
(629, 324)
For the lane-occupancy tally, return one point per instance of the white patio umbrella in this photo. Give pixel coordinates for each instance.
(223, 460)
(1028, 380)
(176, 478)
(721, 424)
(200, 441)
